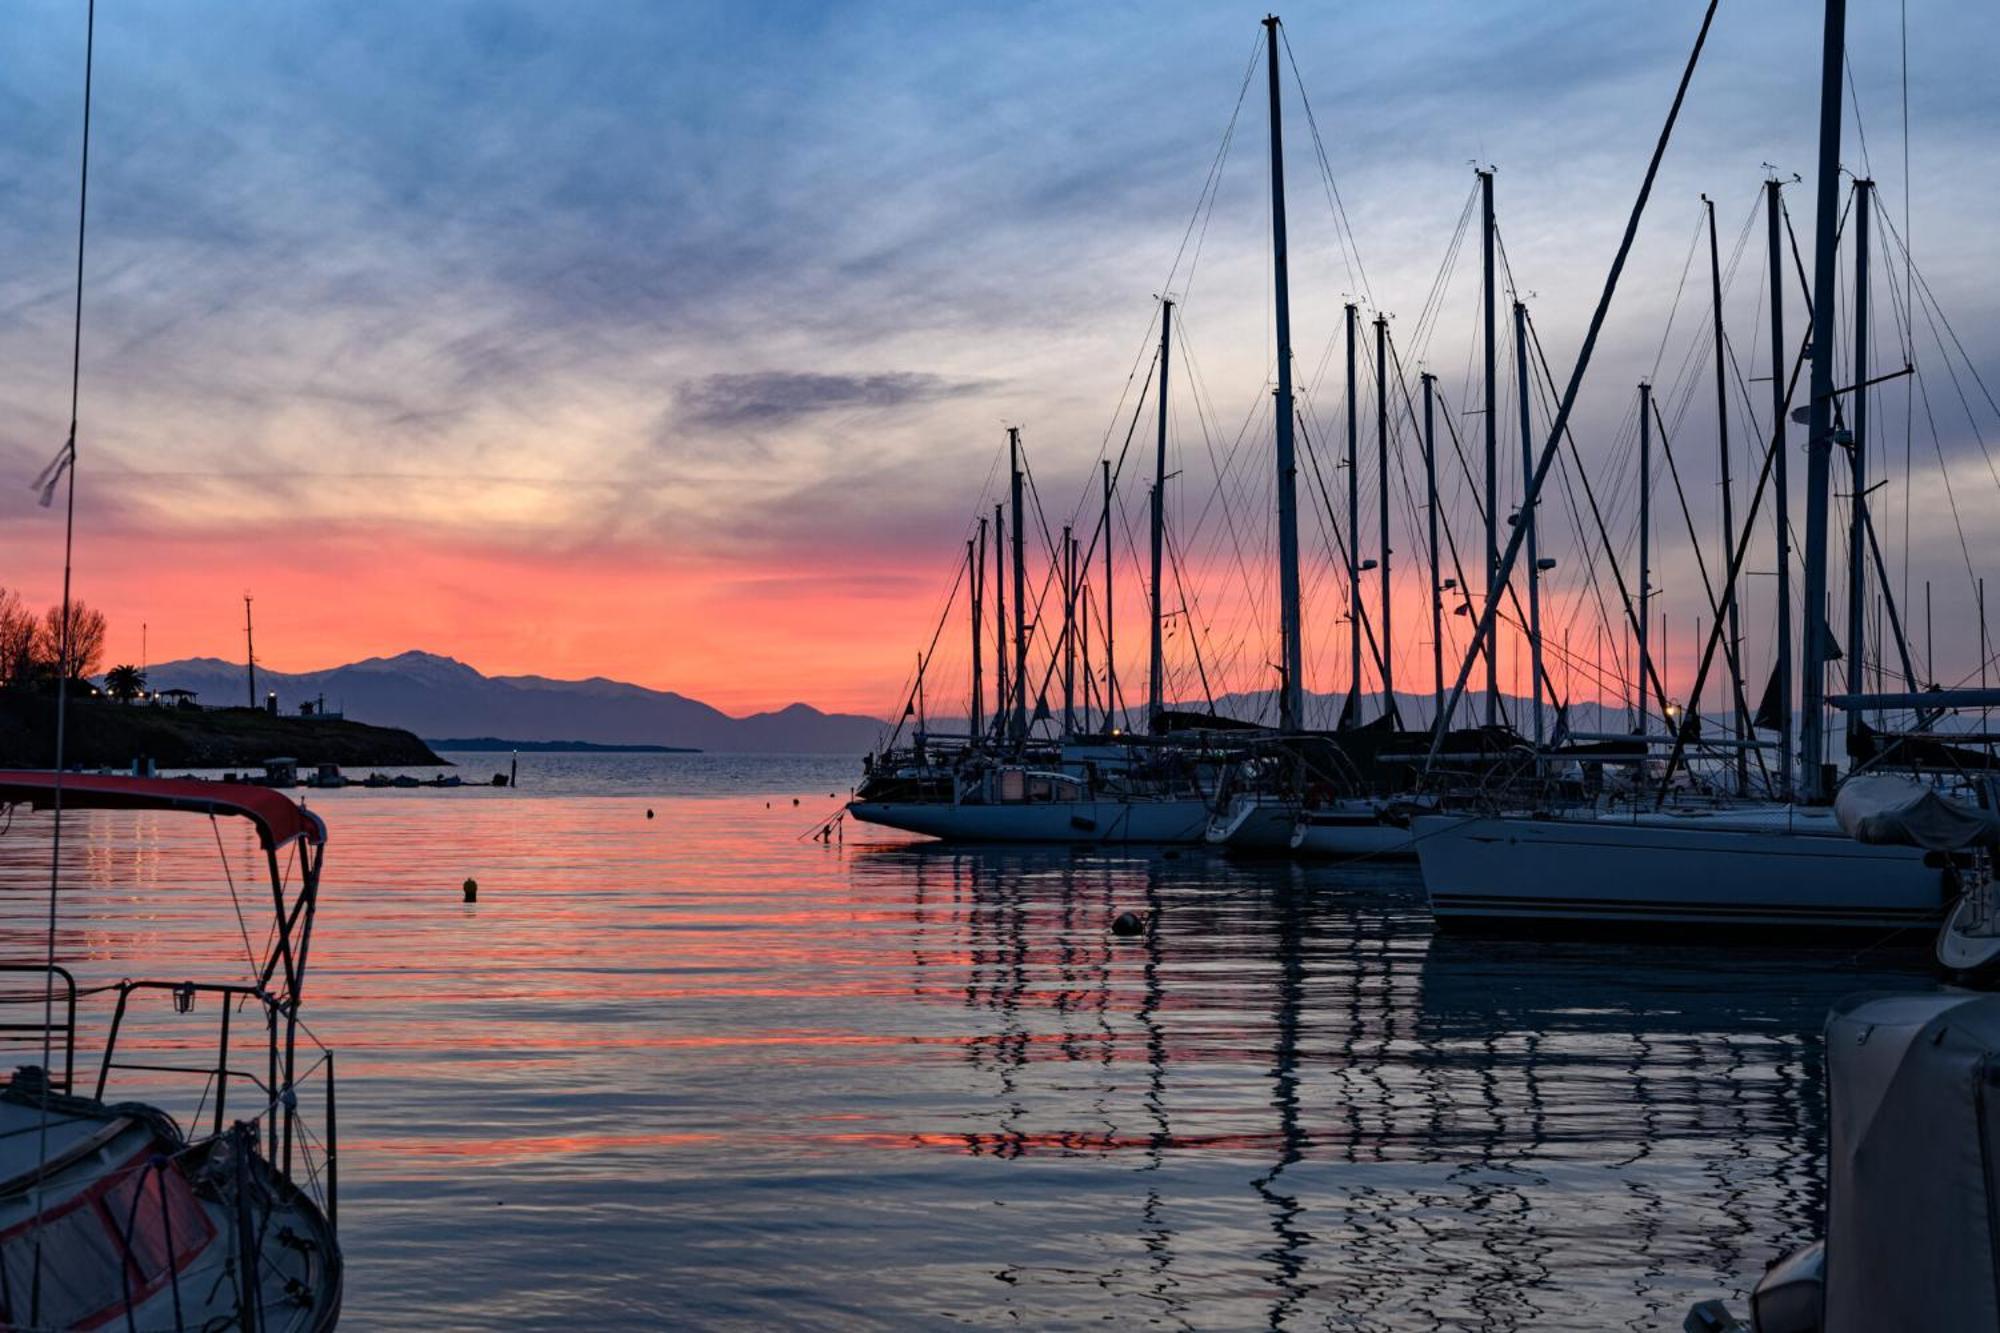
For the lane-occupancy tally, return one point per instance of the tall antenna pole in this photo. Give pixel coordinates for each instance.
(1382, 473)
(1000, 695)
(249, 651)
(1110, 657)
(1291, 698)
(1819, 416)
(1156, 679)
(1645, 546)
(1492, 441)
(1780, 482)
(1020, 590)
(1528, 506)
(1431, 508)
(1857, 527)
(1735, 627)
(1352, 712)
(975, 559)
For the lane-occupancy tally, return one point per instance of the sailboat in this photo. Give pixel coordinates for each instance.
(1773, 867)
(1153, 788)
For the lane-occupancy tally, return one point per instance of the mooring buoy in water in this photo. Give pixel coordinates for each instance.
(649, 812)
(1127, 924)
(795, 800)
(471, 887)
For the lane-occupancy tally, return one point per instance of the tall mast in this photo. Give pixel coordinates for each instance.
(1645, 546)
(1156, 679)
(1735, 628)
(1431, 509)
(1291, 697)
(999, 626)
(1352, 713)
(249, 650)
(1110, 660)
(1781, 487)
(1382, 476)
(1819, 416)
(975, 561)
(1069, 630)
(1528, 515)
(1020, 590)
(1492, 441)
(1857, 528)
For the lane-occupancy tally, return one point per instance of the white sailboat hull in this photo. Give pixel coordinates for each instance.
(1164, 820)
(1345, 835)
(1754, 870)
(1253, 823)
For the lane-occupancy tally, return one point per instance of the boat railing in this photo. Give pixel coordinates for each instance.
(49, 1025)
(297, 1071)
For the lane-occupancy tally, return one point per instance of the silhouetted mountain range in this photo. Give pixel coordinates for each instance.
(440, 696)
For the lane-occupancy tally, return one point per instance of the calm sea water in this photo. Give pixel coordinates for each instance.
(700, 1070)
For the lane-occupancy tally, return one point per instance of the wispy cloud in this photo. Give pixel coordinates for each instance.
(779, 397)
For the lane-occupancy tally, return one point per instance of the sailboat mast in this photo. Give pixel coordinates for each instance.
(1819, 415)
(1735, 627)
(1156, 678)
(1492, 419)
(1020, 590)
(1382, 482)
(1857, 528)
(1780, 483)
(975, 560)
(1110, 659)
(1352, 712)
(1291, 697)
(1528, 515)
(1069, 630)
(1645, 546)
(1431, 510)
(999, 626)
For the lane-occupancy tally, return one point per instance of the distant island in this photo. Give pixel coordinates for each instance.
(495, 743)
(101, 733)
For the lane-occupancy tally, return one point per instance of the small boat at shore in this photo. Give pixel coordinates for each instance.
(112, 1213)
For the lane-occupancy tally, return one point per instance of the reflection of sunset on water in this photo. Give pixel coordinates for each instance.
(702, 1059)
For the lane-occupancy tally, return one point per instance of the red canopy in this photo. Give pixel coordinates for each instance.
(278, 817)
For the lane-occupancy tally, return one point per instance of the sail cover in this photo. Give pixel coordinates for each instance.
(1878, 808)
(279, 819)
(1912, 1148)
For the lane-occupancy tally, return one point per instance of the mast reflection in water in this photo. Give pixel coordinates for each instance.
(699, 1069)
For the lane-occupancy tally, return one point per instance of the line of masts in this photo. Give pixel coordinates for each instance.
(1012, 720)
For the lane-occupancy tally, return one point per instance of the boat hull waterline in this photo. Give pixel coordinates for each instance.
(1514, 872)
(1165, 821)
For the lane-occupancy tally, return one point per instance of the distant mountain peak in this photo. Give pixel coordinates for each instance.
(435, 694)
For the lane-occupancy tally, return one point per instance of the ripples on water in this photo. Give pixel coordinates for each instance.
(697, 1069)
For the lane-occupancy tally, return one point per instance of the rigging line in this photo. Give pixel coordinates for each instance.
(1701, 563)
(1213, 181)
(1854, 100)
(65, 644)
(1931, 303)
(1645, 665)
(1674, 309)
(1349, 246)
(249, 953)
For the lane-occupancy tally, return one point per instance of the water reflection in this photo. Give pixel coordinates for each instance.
(1434, 1131)
(697, 1069)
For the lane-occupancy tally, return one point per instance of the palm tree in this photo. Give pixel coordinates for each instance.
(125, 683)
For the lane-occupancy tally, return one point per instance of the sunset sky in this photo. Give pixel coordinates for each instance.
(675, 343)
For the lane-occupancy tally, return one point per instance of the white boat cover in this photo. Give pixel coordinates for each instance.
(1878, 808)
(1912, 1155)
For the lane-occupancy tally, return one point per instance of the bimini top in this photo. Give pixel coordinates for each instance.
(279, 819)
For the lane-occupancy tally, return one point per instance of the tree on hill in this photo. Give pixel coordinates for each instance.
(85, 642)
(125, 683)
(18, 632)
